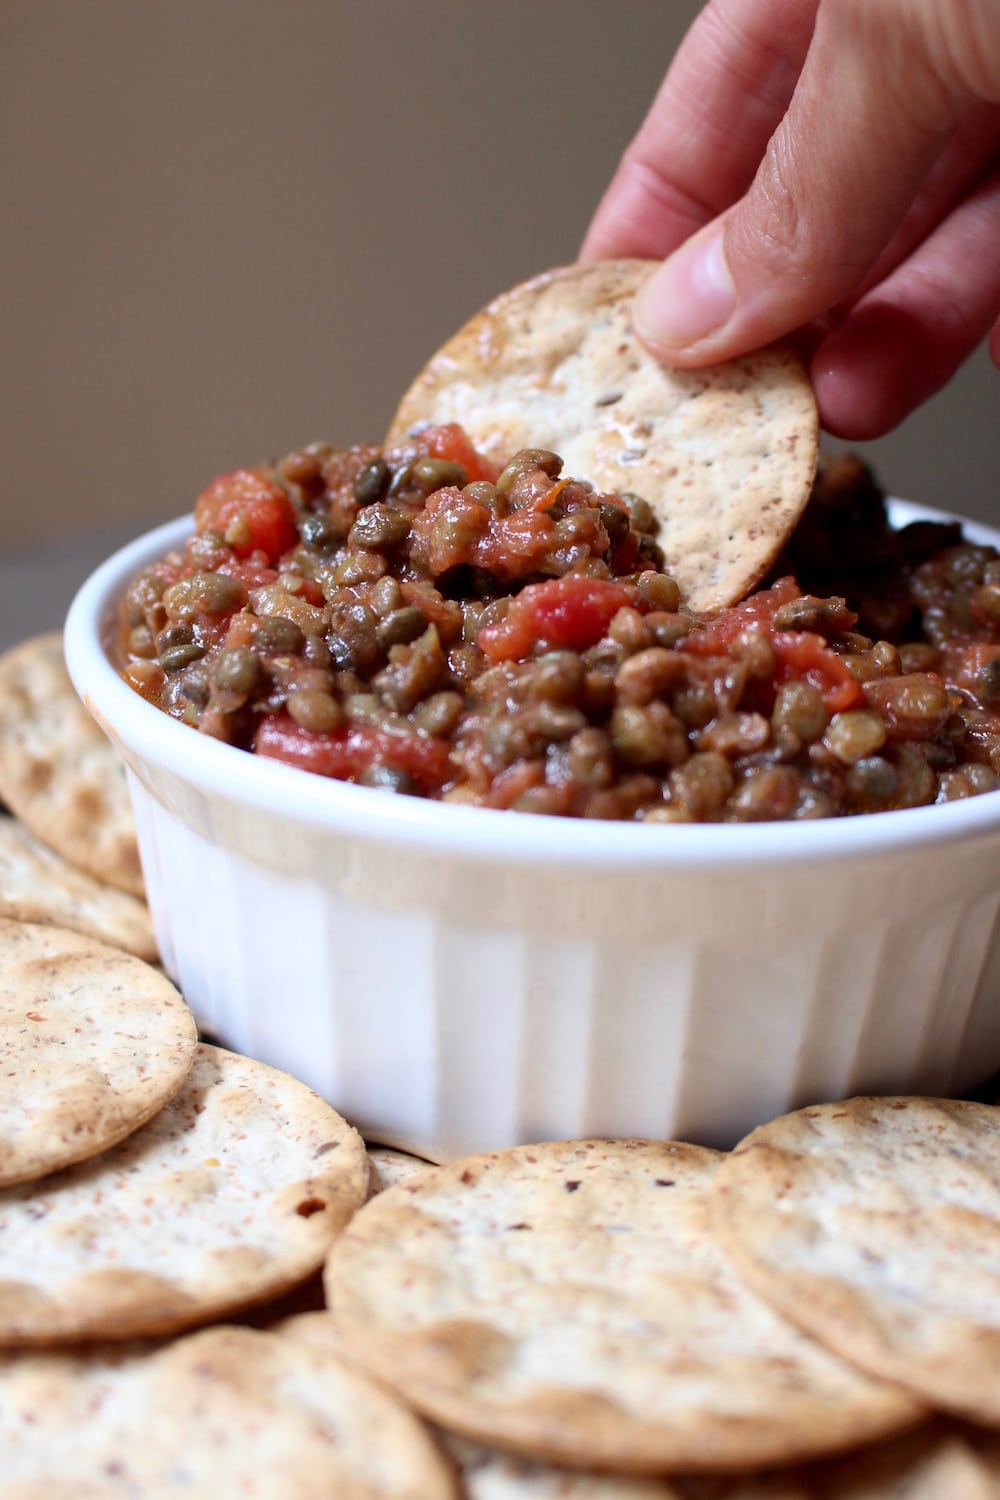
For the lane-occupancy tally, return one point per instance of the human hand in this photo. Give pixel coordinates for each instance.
(837, 166)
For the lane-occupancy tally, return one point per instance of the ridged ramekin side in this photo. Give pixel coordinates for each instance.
(453, 1006)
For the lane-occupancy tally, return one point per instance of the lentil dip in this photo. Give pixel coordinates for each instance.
(415, 620)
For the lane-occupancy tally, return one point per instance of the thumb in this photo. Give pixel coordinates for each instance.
(872, 109)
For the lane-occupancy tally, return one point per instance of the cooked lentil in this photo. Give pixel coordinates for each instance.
(417, 621)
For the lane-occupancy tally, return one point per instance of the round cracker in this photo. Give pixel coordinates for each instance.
(93, 1042)
(725, 455)
(307, 1297)
(875, 1225)
(938, 1462)
(224, 1411)
(58, 772)
(568, 1301)
(488, 1474)
(231, 1195)
(389, 1167)
(38, 885)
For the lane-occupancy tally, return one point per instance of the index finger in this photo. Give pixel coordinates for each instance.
(702, 140)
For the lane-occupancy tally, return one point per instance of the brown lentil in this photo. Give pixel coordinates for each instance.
(276, 636)
(372, 482)
(316, 711)
(799, 715)
(400, 626)
(702, 785)
(416, 621)
(236, 671)
(659, 590)
(433, 473)
(175, 657)
(439, 714)
(854, 735)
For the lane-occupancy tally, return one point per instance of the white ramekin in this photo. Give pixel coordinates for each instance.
(455, 979)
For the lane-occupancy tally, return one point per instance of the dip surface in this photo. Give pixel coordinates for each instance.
(415, 620)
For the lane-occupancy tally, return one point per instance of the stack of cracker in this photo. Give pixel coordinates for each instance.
(814, 1316)
(149, 1184)
(68, 853)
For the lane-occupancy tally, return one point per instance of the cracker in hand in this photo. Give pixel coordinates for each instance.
(724, 455)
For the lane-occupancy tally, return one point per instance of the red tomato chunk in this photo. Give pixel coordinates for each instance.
(800, 656)
(348, 753)
(568, 613)
(252, 513)
(422, 621)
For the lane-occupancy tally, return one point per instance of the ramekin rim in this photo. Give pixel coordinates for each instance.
(155, 740)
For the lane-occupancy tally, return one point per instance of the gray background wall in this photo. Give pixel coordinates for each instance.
(232, 226)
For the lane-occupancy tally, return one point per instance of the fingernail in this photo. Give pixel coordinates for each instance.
(689, 297)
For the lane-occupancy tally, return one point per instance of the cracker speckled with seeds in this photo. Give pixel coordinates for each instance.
(724, 455)
(226, 1411)
(38, 885)
(231, 1195)
(569, 1301)
(940, 1461)
(488, 1474)
(389, 1167)
(92, 1043)
(58, 772)
(875, 1224)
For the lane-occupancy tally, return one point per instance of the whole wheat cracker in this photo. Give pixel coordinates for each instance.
(93, 1042)
(231, 1195)
(488, 1474)
(307, 1297)
(568, 1301)
(940, 1461)
(60, 1489)
(222, 1412)
(58, 772)
(38, 885)
(725, 455)
(389, 1167)
(875, 1225)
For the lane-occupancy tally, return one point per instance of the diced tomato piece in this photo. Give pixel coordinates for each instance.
(517, 543)
(805, 657)
(801, 655)
(445, 614)
(311, 592)
(963, 663)
(344, 753)
(171, 570)
(251, 512)
(452, 442)
(565, 613)
(509, 783)
(254, 572)
(446, 532)
(241, 629)
(720, 632)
